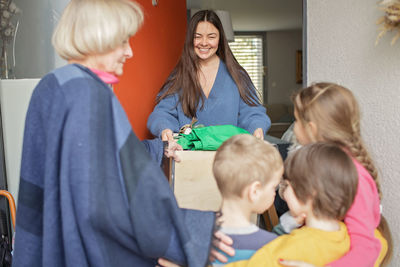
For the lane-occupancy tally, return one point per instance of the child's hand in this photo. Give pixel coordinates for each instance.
(224, 243)
(289, 222)
(259, 133)
(171, 148)
(300, 219)
(294, 263)
(166, 135)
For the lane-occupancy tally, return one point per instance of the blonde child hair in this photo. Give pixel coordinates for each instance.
(243, 159)
(335, 112)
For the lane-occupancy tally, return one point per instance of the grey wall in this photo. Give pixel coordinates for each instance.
(14, 100)
(341, 48)
(34, 54)
(281, 64)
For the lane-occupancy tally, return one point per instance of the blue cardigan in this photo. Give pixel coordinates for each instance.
(89, 193)
(223, 106)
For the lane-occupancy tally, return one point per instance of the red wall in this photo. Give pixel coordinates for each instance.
(156, 50)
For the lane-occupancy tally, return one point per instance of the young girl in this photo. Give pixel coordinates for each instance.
(329, 112)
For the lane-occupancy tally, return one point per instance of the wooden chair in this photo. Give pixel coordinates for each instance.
(270, 218)
(11, 204)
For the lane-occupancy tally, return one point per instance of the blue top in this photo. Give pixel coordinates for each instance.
(223, 106)
(246, 241)
(89, 194)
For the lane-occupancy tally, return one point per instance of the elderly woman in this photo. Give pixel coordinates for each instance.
(90, 195)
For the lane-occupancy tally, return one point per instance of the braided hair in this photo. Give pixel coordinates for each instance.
(334, 109)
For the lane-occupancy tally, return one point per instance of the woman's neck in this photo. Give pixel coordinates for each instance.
(207, 74)
(106, 77)
(235, 213)
(209, 63)
(84, 62)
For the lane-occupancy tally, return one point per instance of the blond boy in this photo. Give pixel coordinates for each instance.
(247, 171)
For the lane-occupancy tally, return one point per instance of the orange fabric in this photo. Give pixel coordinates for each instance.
(156, 49)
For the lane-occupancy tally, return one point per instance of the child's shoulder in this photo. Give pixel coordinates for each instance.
(307, 237)
(265, 236)
(365, 180)
(251, 237)
(360, 168)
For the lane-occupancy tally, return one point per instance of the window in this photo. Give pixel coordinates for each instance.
(249, 52)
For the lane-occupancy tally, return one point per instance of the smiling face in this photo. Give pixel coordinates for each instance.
(113, 61)
(206, 40)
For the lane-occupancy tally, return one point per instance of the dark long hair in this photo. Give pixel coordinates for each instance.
(184, 79)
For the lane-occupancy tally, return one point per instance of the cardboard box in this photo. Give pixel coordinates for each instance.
(193, 182)
(194, 185)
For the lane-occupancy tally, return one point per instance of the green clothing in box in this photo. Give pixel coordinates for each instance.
(209, 138)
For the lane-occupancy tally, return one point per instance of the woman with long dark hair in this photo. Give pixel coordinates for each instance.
(207, 84)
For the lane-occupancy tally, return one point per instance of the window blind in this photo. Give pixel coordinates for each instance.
(248, 50)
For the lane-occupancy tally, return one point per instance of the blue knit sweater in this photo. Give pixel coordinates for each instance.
(223, 106)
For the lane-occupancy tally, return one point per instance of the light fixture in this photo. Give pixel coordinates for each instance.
(225, 18)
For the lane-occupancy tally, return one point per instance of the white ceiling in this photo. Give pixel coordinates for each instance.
(257, 15)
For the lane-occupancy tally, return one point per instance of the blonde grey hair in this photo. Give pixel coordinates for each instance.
(89, 27)
(242, 160)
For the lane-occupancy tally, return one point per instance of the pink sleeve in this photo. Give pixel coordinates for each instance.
(361, 220)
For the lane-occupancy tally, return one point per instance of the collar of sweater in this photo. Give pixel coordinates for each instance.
(106, 77)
